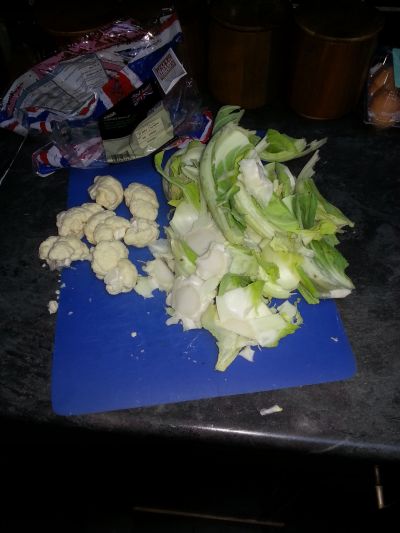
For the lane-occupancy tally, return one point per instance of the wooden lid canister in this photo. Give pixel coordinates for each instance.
(331, 56)
(244, 53)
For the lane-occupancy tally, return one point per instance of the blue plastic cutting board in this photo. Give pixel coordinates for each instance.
(98, 365)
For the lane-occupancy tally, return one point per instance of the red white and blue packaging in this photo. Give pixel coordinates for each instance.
(116, 94)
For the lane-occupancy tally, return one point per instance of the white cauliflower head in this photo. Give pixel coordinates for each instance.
(73, 220)
(59, 252)
(141, 232)
(106, 191)
(141, 201)
(121, 278)
(105, 256)
(111, 229)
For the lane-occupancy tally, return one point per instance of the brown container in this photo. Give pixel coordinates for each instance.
(245, 51)
(332, 51)
(71, 20)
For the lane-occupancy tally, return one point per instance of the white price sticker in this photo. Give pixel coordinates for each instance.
(168, 71)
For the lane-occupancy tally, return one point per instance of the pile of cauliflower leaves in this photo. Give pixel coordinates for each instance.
(245, 238)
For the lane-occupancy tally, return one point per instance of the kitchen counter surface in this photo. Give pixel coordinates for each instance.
(358, 417)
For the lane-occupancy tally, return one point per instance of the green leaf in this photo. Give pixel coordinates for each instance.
(280, 142)
(252, 214)
(307, 288)
(326, 268)
(305, 207)
(185, 257)
(225, 115)
(220, 145)
(285, 178)
(281, 147)
(228, 342)
(232, 281)
(278, 214)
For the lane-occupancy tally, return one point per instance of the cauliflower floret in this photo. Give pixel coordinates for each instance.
(106, 255)
(141, 232)
(121, 278)
(59, 252)
(111, 229)
(141, 201)
(72, 221)
(106, 191)
(52, 306)
(94, 221)
(93, 207)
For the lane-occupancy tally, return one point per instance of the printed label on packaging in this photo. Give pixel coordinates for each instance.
(69, 87)
(168, 71)
(149, 135)
(81, 76)
(148, 131)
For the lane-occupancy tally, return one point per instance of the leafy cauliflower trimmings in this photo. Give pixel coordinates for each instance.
(106, 191)
(141, 201)
(59, 251)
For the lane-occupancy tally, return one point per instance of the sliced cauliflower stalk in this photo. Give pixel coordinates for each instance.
(161, 248)
(106, 191)
(141, 232)
(141, 201)
(106, 255)
(121, 278)
(159, 271)
(215, 262)
(73, 220)
(188, 300)
(159, 276)
(145, 286)
(59, 252)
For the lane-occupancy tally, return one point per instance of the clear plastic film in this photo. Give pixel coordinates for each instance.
(383, 90)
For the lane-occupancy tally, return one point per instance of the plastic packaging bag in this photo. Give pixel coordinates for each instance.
(70, 96)
(383, 90)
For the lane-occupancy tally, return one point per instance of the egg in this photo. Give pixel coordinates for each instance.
(383, 78)
(384, 108)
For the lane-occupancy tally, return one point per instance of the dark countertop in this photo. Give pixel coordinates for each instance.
(356, 418)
